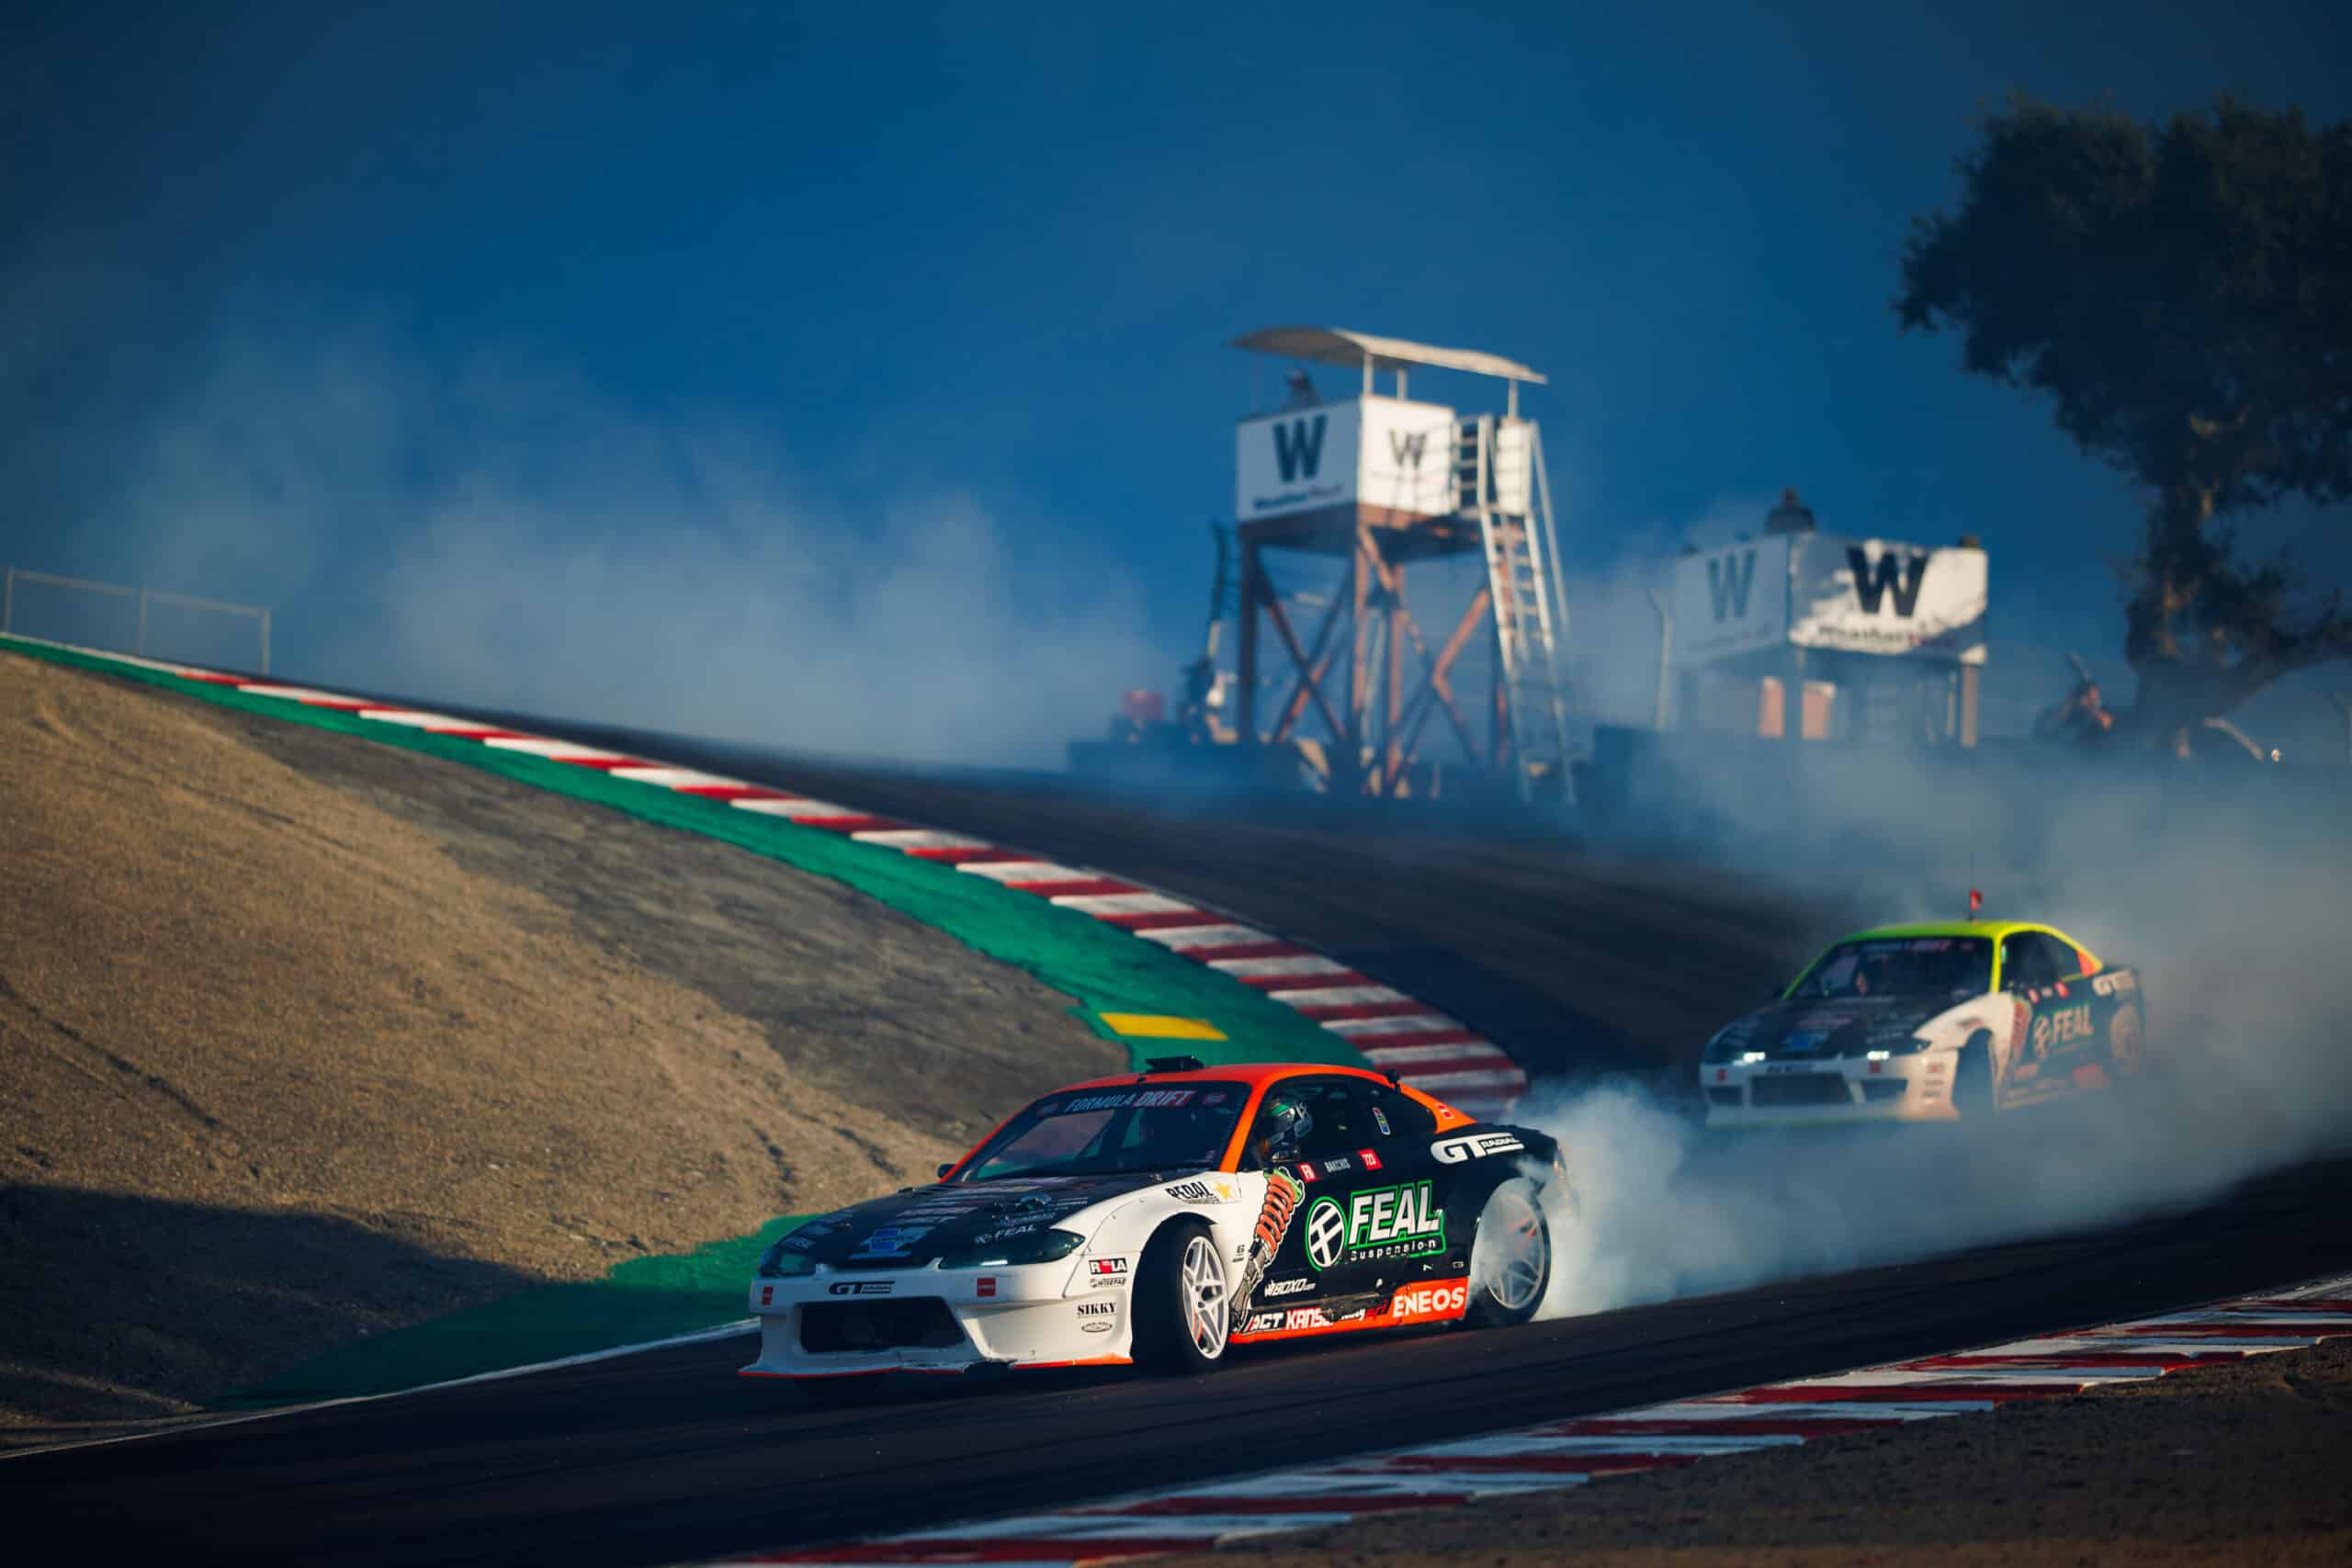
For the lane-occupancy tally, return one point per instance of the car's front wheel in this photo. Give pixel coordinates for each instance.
(1510, 1260)
(1183, 1310)
(1971, 1076)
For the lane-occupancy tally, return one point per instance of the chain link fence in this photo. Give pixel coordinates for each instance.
(142, 621)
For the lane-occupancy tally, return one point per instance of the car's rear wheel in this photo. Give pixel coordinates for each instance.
(1183, 1310)
(1510, 1260)
(2123, 1043)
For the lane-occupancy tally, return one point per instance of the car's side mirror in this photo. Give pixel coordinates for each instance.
(945, 1168)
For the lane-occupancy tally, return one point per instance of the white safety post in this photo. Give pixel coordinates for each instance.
(1665, 654)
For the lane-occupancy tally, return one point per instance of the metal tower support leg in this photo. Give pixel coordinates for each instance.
(1246, 653)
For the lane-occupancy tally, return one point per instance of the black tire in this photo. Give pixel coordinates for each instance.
(2126, 1042)
(1972, 1081)
(1504, 1290)
(1159, 1303)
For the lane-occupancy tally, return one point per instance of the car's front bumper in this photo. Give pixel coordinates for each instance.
(939, 1320)
(1914, 1088)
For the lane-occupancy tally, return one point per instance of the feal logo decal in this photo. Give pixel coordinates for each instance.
(1382, 1222)
(1327, 1233)
(1298, 447)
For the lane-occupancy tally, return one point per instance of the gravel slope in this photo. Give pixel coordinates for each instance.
(302, 1038)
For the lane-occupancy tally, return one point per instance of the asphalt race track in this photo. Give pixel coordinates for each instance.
(667, 1456)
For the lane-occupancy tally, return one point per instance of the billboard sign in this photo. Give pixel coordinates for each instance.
(1732, 601)
(1382, 452)
(1886, 597)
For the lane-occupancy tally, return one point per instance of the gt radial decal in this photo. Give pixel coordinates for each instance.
(1382, 1222)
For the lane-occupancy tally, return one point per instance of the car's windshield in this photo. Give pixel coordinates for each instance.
(1096, 1132)
(1901, 967)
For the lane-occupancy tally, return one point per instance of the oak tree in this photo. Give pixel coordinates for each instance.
(2182, 293)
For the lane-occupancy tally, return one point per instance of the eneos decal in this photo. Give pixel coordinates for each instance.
(1438, 1299)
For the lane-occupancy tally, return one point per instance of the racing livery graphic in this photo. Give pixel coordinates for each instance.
(1163, 1217)
(1929, 1022)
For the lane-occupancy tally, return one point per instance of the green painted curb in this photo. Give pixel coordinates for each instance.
(1103, 969)
(644, 1299)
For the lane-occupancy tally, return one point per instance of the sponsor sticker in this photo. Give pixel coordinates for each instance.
(2062, 1027)
(1381, 1221)
(1437, 1299)
(767, 1295)
(1283, 1192)
(891, 1241)
(860, 1288)
(1107, 1273)
(2114, 984)
(1206, 1189)
(985, 1285)
(1380, 1120)
(1098, 1309)
(1474, 1145)
(1288, 1287)
(1370, 1159)
(1120, 1101)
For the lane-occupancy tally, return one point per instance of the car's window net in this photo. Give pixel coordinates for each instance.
(1905, 967)
(2030, 959)
(1143, 1127)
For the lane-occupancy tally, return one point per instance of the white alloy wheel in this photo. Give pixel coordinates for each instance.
(2123, 1039)
(1510, 1262)
(1208, 1309)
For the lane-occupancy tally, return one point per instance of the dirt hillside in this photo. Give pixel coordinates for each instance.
(302, 1037)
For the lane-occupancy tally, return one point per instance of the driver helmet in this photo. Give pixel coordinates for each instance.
(1282, 1126)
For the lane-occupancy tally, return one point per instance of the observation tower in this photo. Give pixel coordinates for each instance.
(1383, 484)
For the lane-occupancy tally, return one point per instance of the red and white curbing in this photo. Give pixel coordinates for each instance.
(1567, 1453)
(1423, 1047)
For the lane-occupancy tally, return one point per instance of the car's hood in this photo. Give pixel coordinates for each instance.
(921, 1224)
(1820, 1027)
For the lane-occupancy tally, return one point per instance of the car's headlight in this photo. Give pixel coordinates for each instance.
(779, 1262)
(1040, 1246)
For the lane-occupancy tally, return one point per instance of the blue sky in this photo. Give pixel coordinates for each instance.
(302, 303)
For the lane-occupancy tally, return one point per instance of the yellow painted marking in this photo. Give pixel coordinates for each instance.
(1159, 1026)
